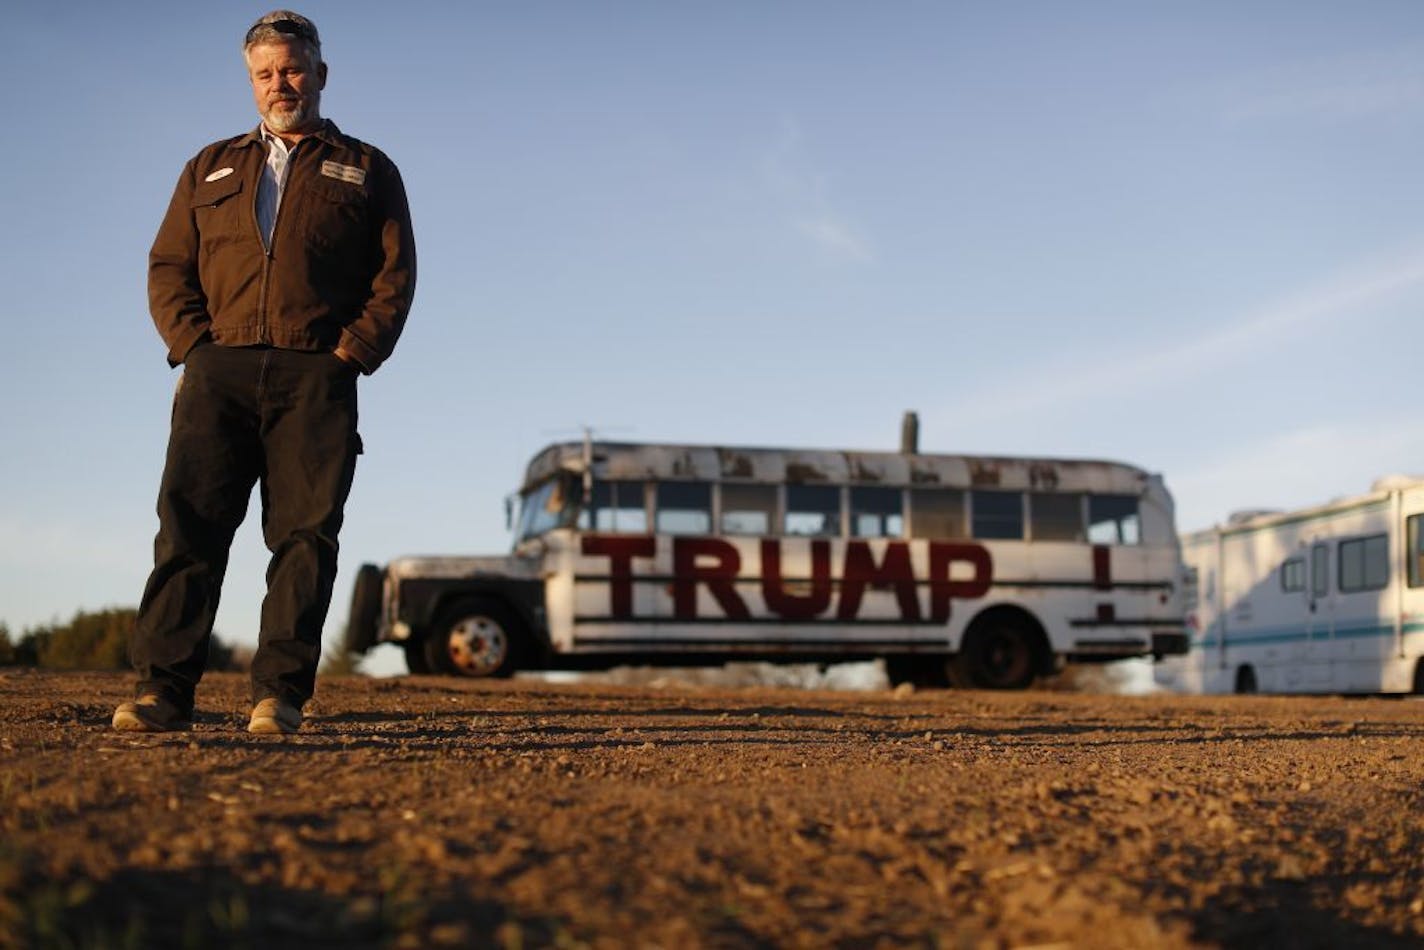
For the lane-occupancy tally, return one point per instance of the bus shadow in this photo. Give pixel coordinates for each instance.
(815, 721)
(215, 907)
(424, 734)
(1289, 915)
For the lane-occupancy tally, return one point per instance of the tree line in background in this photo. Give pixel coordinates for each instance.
(99, 640)
(91, 640)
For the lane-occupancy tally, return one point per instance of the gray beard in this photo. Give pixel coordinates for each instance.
(279, 120)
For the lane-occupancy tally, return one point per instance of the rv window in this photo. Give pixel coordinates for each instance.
(813, 510)
(998, 515)
(748, 509)
(1112, 519)
(1055, 517)
(937, 513)
(684, 508)
(876, 512)
(1293, 575)
(1319, 571)
(1364, 564)
(1416, 550)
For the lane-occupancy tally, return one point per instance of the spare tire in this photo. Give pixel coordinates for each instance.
(363, 622)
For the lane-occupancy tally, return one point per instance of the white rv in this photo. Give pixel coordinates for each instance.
(1328, 599)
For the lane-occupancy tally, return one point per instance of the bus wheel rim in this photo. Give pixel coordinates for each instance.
(477, 645)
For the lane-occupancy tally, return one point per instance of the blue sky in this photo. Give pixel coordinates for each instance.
(1185, 235)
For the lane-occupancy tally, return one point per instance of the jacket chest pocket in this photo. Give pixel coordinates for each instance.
(338, 217)
(219, 211)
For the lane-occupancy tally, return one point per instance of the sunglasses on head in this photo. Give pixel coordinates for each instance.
(286, 28)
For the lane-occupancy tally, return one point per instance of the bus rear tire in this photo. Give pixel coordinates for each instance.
(1245, 680)
(1001, 650)
(476, 637)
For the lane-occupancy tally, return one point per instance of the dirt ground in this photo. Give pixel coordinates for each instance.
(418, 812)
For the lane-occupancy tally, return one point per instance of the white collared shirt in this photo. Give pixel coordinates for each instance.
(270, 186)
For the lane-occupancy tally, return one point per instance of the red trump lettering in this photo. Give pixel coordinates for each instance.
(620, 552)
(943, 555)
(773, 586)
(719, 576)
(894, 571)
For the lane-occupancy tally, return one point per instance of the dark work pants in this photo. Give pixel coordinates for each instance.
(242, 416)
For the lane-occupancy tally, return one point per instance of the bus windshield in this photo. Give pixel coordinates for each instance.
(554, 504)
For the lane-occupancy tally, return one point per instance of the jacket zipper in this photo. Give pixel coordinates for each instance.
(262, 335)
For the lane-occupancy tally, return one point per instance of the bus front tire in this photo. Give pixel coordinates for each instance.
(999, 652)
(475, 637)
(415, 660)
(363, 619)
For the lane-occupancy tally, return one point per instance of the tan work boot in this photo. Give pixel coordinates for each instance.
(274, 717)
(151, 713)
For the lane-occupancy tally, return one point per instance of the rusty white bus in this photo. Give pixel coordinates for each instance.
(1325, 599)
(980, 571)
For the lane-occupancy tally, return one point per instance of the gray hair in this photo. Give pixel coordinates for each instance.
(284, 26)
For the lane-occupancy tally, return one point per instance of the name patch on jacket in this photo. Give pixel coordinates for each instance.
(357, 176)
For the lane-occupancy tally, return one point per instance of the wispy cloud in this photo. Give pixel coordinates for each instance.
(1066, 380)
(1345, 87)
(804, 197)
(835, 236)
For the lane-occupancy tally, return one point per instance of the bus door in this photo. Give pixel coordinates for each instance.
(1315, 647)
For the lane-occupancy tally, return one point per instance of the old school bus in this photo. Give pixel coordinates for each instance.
(980, 571)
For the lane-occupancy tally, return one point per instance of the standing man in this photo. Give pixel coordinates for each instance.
(283, 270)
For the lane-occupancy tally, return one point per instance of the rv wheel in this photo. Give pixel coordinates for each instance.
(473, 637)
(1245, 680)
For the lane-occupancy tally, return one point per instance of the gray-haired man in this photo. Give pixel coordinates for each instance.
(284, 268)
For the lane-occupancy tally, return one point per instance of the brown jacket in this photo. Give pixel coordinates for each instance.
(342, 264)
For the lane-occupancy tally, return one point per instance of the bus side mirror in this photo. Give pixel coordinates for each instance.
(508, 513)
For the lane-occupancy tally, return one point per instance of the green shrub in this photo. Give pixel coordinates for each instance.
(91, 640)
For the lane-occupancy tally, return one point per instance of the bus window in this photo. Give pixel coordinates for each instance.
(937, 513)
(1112, 519)
(1364, 564)
(998, 515)
(748, 509)
(1055, 517)
(1416, 550)
(876, 512)
(617, 507)
(684, 508)
(813, 510)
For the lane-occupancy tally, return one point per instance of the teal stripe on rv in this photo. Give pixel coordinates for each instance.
(1345, 631)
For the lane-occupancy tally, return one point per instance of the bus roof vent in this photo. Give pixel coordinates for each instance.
(910, 434)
